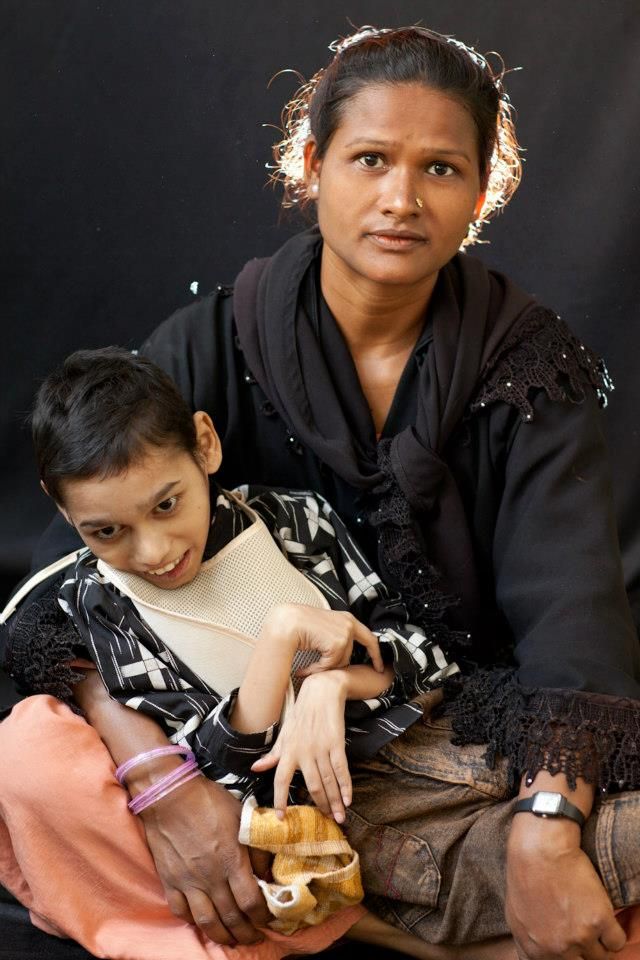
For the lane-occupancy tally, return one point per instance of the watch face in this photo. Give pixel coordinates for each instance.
(547, 803)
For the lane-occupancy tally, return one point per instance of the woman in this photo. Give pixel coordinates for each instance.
(453, 422)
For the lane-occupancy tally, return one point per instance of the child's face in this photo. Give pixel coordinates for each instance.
(153, 519)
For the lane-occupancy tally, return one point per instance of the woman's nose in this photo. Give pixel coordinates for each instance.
(399, 197)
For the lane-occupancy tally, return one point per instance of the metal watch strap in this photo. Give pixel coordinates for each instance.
(539, 804)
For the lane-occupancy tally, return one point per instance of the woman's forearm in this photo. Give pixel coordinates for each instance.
(529, 831)
(125, 732)
(582, 797)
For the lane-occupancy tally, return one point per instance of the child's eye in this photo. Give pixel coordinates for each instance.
(108, 533)
(166, 506)
(372, 161)
(441, 169)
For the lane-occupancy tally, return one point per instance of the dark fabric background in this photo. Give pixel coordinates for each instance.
(133, 153)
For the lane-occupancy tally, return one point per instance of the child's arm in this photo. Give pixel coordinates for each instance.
(288, 629)
(327, 554)
(313, 737)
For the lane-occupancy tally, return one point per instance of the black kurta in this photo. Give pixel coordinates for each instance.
(554, 648)
(537, 497)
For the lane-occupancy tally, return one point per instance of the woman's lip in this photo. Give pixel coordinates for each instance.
(396, 241)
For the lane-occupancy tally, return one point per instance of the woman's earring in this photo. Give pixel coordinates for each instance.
(313, 190)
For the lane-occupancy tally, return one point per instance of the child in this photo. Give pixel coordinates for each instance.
(130, 467)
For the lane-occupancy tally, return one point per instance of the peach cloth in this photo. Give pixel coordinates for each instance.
(74, 855)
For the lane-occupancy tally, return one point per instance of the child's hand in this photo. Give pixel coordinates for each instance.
(312, 740)
(331, 633)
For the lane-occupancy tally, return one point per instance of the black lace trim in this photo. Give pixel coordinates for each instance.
(42, 642)
(541, 353)
(588, 735)
(405, 563)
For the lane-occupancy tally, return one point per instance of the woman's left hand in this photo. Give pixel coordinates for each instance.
(312, 740)
(556, 905)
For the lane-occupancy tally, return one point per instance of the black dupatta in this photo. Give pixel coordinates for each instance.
(425, 546)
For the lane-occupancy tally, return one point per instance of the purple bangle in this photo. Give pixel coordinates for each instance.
(166, 785)
(172, 777)
(167, 751)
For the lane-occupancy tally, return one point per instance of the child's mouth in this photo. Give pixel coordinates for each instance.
(173, 570)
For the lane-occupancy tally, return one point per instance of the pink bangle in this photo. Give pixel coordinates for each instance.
(167, 780)
(185, 772)
(167, 751)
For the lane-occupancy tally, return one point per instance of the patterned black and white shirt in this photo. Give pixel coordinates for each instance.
(140, 671)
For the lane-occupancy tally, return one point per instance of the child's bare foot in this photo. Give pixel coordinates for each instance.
(371, 929)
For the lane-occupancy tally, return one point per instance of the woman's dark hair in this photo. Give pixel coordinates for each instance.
(404, 55)
(94, 416)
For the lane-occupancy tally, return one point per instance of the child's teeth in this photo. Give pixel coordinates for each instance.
(169, 566)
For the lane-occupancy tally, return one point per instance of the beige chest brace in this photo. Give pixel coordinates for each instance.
(212, 623)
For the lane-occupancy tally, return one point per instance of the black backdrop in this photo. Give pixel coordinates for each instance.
(133, 155)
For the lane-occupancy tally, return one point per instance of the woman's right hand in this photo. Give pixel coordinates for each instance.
(208, 877)
(331, 633)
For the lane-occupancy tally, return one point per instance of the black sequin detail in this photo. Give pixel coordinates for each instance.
(541, 353)
(588, 735)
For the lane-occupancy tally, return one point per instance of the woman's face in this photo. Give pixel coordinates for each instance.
(398, 184)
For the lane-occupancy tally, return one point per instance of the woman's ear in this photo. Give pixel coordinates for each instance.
(479, 205)
(312, 167)
(209, 447)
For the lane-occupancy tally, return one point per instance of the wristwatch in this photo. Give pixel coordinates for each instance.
(547, 804)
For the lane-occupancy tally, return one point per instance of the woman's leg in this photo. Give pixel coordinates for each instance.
(71, 851)
(431, 823)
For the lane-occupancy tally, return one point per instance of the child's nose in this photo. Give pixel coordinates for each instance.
(152, 551)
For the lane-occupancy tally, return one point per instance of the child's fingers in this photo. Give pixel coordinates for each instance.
(281, 784)
(267, 762)
(367, 639)
(341, 771)
(323, 787)
(326, 793)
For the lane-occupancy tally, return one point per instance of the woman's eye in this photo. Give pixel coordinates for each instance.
(370, 160)
(166, 506)
(441, 169)
(108, 533)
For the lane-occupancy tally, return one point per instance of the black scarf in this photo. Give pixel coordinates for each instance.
(424, 541)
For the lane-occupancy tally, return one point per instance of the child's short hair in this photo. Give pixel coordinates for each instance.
(94, 416)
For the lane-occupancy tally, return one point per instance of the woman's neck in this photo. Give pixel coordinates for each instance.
(374, 318)
(380, 324)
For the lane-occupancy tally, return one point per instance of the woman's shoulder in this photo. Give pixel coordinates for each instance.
(541, 354)
(208, 317)
(197, 347)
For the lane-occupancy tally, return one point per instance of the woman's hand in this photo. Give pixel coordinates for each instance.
(331, 633)
(192, 833)
(312, 740)
(556, 906)
(208, 877)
